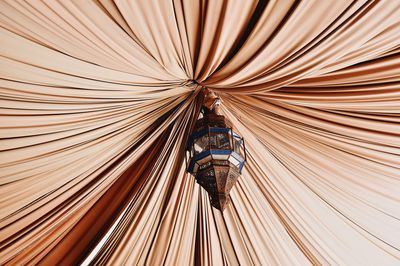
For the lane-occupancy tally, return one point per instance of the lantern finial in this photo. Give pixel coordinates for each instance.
(212, 101)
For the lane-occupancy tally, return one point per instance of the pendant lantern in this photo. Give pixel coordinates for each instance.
(215, 156)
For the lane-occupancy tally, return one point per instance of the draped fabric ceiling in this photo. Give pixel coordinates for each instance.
(98, 98)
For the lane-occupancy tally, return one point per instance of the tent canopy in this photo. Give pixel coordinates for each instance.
(97, 100)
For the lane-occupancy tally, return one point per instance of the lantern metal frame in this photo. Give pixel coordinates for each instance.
(213, 152)
(215, 156)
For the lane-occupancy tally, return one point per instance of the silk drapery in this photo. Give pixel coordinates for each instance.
(98, 97)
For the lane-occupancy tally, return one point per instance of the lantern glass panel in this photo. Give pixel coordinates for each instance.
(213, 141)
(220, 156)
(234, 161)
(237, 142)
(201, 144)
(223, 141)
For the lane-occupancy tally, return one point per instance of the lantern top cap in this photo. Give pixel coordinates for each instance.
(212, 101)
(211, 119)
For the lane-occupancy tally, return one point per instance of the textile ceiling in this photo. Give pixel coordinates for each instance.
(98, 98)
